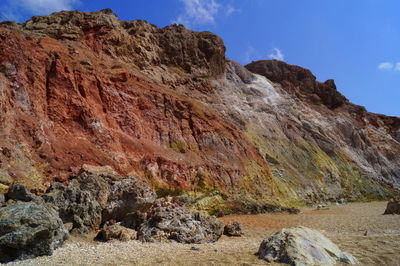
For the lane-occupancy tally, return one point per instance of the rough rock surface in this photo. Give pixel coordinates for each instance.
(180, 225)
(117, 232)
(164, 104)
(75, 206)
(118, 196)
(233, 229)
(393, 206)
(302, 246)
(28, 230)
(127, 196)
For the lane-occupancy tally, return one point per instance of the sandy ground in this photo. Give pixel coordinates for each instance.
(344, 225)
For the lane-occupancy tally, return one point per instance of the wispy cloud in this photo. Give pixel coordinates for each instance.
(201, 12)
(13, 8)
(389, 66)
(277, 54)
(385, 66)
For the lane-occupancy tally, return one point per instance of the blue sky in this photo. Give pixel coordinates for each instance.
(355, 42)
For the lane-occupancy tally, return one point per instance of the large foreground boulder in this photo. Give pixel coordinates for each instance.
(180, 225)
(302, 246)
(28, 230)
(393, 206)
(75, 206)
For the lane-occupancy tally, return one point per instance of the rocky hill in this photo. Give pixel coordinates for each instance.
(165, 104)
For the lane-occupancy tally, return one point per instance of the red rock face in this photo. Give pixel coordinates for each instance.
(71, 102)
(85, 88)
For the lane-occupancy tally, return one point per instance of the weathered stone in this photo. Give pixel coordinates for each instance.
(127, 196)
(180, 225)
(233, 229)
(28, 230)
(134, 220)
(75, 206)
(117, 232)
(302, 246)
(2, 199)
(393, 206)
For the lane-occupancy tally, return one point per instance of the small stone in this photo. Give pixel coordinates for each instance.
(195, 249)
(233, 229)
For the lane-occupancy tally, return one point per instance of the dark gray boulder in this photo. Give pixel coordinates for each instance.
(127, 196)
(118, 196)
(28, 230)
(75, 206)
(180, 225)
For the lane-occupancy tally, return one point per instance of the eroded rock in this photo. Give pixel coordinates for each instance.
(75, 206)
(302, 246)
(180, 225)
(28, 230)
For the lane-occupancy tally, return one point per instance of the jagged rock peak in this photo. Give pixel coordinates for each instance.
(299, 81)
(200, 54)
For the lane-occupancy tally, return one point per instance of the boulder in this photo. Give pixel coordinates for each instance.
(28, 230)
(95, 179)
(393, 206)
(302, 246)
(233, 229)
(127, 196)
(2, 199)
(75, 206)
(180, 225)
(117, 196)
(134, 220)
(117, 232)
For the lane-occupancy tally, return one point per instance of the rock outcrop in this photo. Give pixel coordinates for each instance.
(165, 105)
(29, 230)
(302, 246)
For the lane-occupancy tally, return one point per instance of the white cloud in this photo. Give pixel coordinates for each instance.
(277, 54)
(229, 10)
(46, 6)
(13, 8)
(201, 12)
(385, 66)
(397, 66)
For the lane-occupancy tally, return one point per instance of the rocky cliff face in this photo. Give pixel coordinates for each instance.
(166, 105)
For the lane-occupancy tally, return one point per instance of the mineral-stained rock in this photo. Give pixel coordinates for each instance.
(233, 229)
(75, 206)
(393, 206)
(180, 225)
(117, 232)
(28, 230)
(302, 246)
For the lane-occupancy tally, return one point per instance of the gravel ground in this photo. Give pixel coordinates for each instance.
(345, 225)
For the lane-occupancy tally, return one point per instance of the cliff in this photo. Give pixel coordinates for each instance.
(165, 104)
